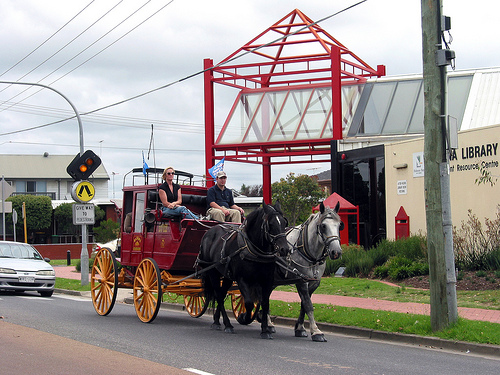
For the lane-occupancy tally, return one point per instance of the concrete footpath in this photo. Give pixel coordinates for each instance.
(493, 316)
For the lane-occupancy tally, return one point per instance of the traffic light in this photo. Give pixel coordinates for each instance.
(83, 166)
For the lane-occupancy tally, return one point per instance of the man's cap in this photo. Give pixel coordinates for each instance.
(221, 173)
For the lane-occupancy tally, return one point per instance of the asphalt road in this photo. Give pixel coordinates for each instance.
(63, 334)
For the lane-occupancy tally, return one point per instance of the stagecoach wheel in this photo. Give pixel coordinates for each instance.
(104, 281)
(147, 290)
(195, 305)
(238, 306)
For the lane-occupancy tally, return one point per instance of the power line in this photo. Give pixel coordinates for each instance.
(63, 47)
(105, 147)
(225, 62)
(45, 41)
(79, 53)
(194, 74)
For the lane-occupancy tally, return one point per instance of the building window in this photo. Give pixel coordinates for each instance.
(31, 186)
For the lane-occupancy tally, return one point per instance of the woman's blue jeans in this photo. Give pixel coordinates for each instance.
(179, 211)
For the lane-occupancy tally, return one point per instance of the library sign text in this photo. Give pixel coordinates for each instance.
(475, 157)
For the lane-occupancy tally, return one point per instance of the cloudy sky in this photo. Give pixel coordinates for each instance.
(98, 53)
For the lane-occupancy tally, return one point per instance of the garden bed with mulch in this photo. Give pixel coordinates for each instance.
(469, 281)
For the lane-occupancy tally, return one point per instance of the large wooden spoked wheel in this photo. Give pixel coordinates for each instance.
(196, 305)
(104, 281)
(147, 290)
(238, 306)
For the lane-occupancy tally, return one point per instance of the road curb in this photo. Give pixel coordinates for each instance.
(366, 333)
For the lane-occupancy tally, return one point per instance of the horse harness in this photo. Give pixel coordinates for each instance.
(302, 248)
(253, 252)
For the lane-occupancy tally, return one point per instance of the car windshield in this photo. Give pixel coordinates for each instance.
(19, 251)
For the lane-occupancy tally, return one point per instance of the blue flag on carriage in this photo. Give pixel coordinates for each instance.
(219, 166)
(144, 165)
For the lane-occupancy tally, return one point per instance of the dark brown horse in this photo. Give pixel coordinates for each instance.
(245, 254)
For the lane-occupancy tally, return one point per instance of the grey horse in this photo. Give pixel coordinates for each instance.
(304, 264)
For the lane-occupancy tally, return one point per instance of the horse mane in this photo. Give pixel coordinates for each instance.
(252, 217)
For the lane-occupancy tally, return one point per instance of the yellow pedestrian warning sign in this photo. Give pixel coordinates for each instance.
(82, 191)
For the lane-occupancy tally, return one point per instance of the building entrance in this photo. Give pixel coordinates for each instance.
(359, 176)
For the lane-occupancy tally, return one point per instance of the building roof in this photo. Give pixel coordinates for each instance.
(394, 106)
(44, 166)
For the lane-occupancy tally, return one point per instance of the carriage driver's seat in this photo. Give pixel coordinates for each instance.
(196, 203)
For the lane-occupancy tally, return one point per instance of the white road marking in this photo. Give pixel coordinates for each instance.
(196, 371)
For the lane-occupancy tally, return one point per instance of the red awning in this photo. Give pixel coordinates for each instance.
(332, 200)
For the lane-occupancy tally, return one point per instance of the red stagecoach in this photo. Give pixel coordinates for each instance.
(158, 254)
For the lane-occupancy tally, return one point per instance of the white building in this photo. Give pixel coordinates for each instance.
(46, 175)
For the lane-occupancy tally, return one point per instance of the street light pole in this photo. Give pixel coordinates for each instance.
(84, 258)
(113, 183)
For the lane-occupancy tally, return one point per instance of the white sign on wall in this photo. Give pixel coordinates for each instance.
(418, 164)
(402, 187)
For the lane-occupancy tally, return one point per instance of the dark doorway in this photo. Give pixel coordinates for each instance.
(359, 176)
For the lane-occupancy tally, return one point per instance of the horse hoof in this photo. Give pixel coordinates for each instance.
(319, 338)
(241, 319)
(229, 329)
(215, 327)
(266, 335)
(300, 333)
(271, 329)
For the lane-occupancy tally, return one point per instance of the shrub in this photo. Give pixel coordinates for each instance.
(388, 255)
(78, 265)
(493, 260)
(400, 273)
(475, 247)
(413, 248)
(381, 272)
(107, 231)
(348, 252)
(332, 266)
(380, 255)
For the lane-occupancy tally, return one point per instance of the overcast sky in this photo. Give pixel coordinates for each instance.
(109, 50)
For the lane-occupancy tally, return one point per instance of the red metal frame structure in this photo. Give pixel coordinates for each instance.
(294, 54)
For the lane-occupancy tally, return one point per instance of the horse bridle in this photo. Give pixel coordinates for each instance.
(272, 238)
(255, 250)
(327, 240)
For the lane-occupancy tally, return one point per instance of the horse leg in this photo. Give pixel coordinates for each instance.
(265, 330)
(305, 291)
(213, 289)
(300, 331)
(226, 284)
(270, 325)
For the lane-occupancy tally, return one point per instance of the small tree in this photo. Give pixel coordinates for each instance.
(107, 231)
(297, 195)
(252, 190)
(63, 217)
(38, 213)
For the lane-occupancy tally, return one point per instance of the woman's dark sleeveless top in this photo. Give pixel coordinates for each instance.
(171, 196)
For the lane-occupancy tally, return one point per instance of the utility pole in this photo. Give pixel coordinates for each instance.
(436, 180)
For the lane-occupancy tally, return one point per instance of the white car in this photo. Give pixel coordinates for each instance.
(22, 268)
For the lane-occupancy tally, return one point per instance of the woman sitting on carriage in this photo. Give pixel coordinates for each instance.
(171, 197)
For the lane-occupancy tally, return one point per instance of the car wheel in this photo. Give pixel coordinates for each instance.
(46, 294)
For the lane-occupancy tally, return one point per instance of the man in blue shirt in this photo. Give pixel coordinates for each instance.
(220, 201)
